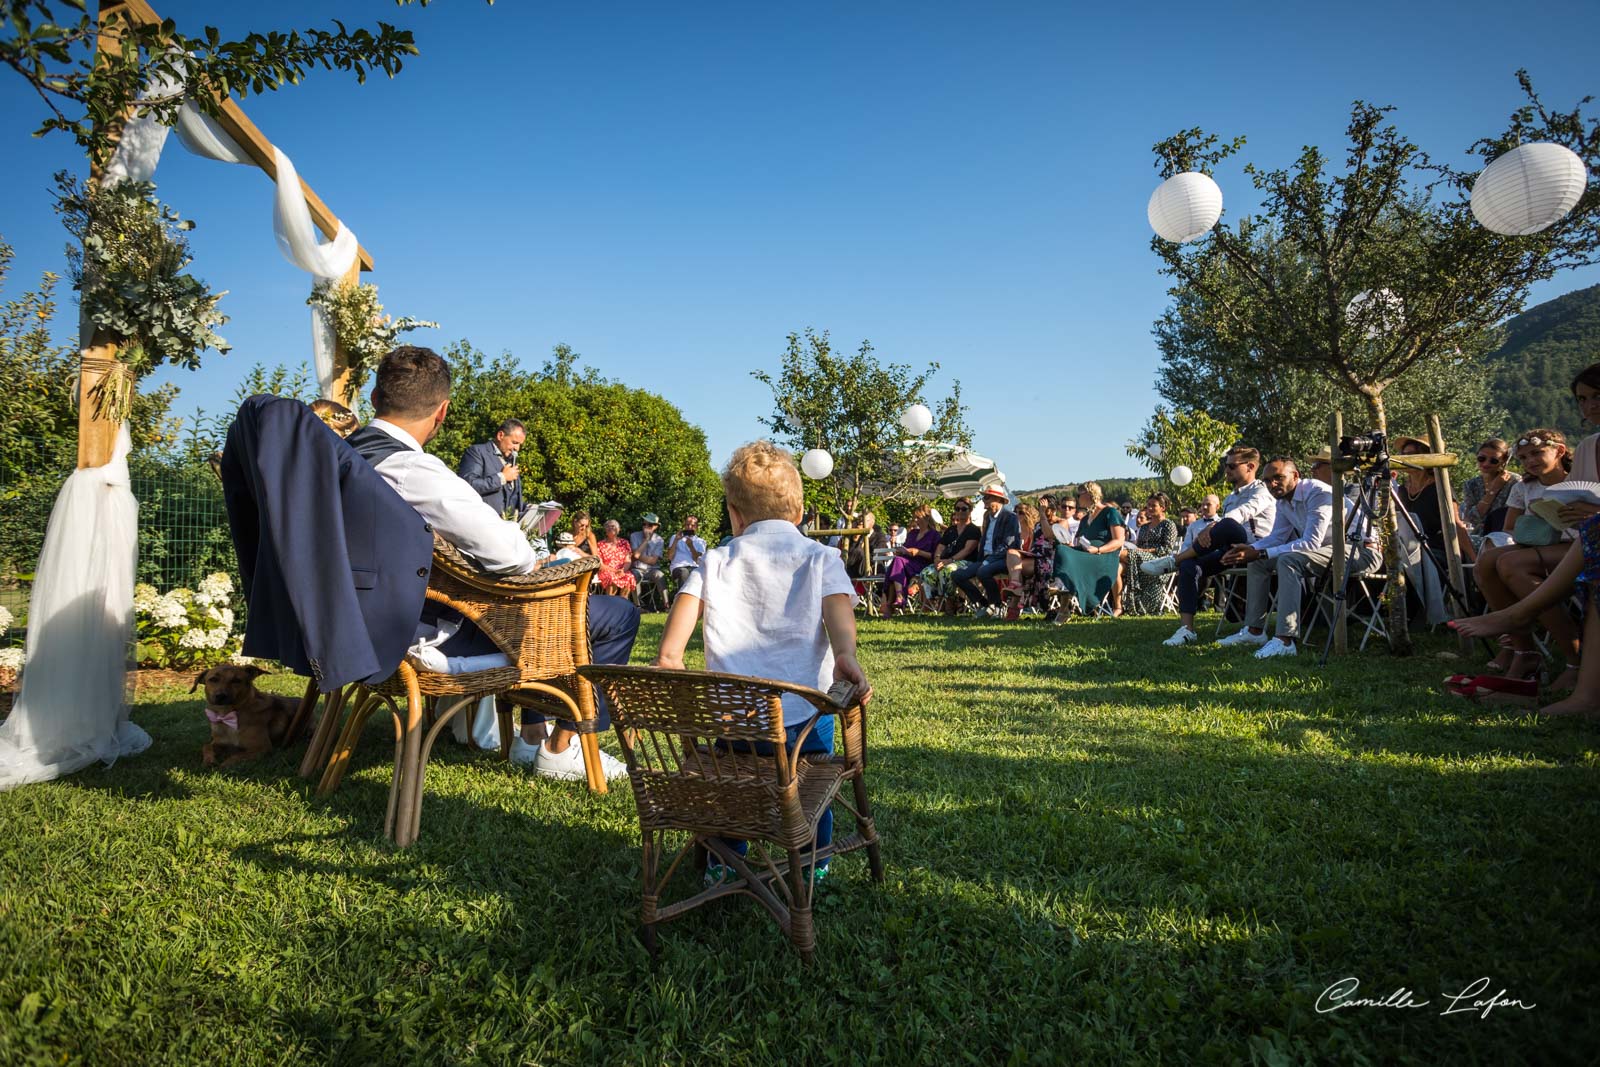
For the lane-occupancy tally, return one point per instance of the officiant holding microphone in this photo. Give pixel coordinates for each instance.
(491, 468)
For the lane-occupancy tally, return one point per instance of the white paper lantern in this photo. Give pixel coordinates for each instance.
(1182, 476)
(817, 464)
(1154, 451)
(1379, 312)
(1529, 188)
(917, 420)
(1185, 207)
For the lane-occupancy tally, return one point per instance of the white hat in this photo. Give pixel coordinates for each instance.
(938, 518)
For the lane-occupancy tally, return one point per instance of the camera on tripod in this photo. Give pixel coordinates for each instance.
(1372, 447)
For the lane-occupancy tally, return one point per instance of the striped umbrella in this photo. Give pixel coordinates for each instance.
(966, 474)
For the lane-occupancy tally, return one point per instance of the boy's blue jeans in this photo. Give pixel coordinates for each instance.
(820, 739)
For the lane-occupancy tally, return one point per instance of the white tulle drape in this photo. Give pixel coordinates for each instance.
(73, 709)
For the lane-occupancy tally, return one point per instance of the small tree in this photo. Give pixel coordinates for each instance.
(1190, 439)
(851, 406)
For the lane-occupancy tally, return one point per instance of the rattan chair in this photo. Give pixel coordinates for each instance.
(690, 740)
(539, 620)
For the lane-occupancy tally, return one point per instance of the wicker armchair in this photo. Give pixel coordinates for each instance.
(539, 620)
(690, 740)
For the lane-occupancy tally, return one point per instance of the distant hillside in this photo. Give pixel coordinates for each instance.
(1544, 348)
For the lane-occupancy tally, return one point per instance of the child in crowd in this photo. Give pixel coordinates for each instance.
(776, 603)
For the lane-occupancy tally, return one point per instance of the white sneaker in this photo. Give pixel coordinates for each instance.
(523, 754)
(1276, 647)
(1181, 636)
(568, 765)
(1244, 637)
(1160, 565)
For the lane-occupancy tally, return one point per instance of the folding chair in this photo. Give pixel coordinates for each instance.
(1363, 605)
(872, 584)
(1229, 593)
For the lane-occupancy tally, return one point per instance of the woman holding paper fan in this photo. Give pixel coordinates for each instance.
(1507, 573)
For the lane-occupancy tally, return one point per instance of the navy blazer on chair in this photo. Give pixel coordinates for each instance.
(480, 468)
(334, 564)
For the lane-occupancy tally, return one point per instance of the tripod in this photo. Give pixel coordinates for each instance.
(1364, 517)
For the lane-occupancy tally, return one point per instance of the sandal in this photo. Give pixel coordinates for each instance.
(1517, 653)
(1483, 695)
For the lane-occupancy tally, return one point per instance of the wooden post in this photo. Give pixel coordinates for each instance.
(341, 387)
(1338, 564)
(1447, 519)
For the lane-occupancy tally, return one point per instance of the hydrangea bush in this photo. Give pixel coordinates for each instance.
(186, 629)
(10, 658)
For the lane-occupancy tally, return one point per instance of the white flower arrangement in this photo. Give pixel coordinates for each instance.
(10, 658)
(186, 628)
(5, 620)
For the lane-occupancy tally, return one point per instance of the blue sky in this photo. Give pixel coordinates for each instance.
(672, 189)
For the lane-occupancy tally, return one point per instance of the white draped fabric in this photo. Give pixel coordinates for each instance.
(73, 709)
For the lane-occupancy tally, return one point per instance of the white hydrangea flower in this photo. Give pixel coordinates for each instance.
(182, 596)
(202, 599)
(5, 620)
(145, 598)
(221, 616)
(217, 586)
(217, 638)
(170, 613)
(194, 639)
(10, 659)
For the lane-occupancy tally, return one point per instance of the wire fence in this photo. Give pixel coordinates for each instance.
(183, 524)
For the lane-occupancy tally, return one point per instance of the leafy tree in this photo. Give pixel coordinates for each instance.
(1380, 270)
(1190, 439)
(851, 406)
(39, 418)
(89, 92)
(594, 445)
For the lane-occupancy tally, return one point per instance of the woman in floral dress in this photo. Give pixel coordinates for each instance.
(1158, 536)
(616, 558)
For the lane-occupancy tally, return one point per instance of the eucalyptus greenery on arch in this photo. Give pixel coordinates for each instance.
(362, 329)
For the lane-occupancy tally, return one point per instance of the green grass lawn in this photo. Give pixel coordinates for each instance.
(1098, 850)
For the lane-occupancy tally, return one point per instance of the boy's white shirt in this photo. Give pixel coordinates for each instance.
(761, 596)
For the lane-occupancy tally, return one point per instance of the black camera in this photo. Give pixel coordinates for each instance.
(1374, 445)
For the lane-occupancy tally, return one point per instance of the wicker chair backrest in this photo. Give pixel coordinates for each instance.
(705, 751)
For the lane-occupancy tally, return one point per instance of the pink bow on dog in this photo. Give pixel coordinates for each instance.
(230, 719)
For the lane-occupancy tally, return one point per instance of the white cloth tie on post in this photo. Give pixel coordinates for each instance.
(72, 709)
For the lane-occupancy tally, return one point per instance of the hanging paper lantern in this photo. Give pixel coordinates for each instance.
(1154, 451)
(1529, 188)
(817, 464)
(1185, 207)
(917, 420)
(1379, 312)
(1182, 476)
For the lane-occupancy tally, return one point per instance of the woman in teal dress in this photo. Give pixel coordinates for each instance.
(1094, 561)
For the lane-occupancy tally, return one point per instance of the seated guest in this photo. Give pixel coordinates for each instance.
(776, 604)
(1509, 573)
(1001, 533)
(1247, 514)
(1087, 568)
(860, 558)
(1186, 517)
(1419, 494)
(1299, 543)
(1063, 517)
(340, 419)
(583, 538)
(685, 550)
(921, 542)
(410, 398)
(959, 543)
(491, 469)
(1157, 537)
(616, 561)
(648, 548)
(1485, 495)
(566, 551)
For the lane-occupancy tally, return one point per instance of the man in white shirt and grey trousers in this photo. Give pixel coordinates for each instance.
(1297, 548)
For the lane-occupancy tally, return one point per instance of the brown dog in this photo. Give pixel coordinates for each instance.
(245, 723)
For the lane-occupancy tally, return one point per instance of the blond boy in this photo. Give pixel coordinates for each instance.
(776, 603)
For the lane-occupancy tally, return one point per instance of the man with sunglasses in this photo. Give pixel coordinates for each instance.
(1247, 514)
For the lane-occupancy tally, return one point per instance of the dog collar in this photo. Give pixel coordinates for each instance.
(230, 719)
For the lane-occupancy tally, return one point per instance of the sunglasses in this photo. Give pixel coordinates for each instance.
(1233, 466)
(1484, 461)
